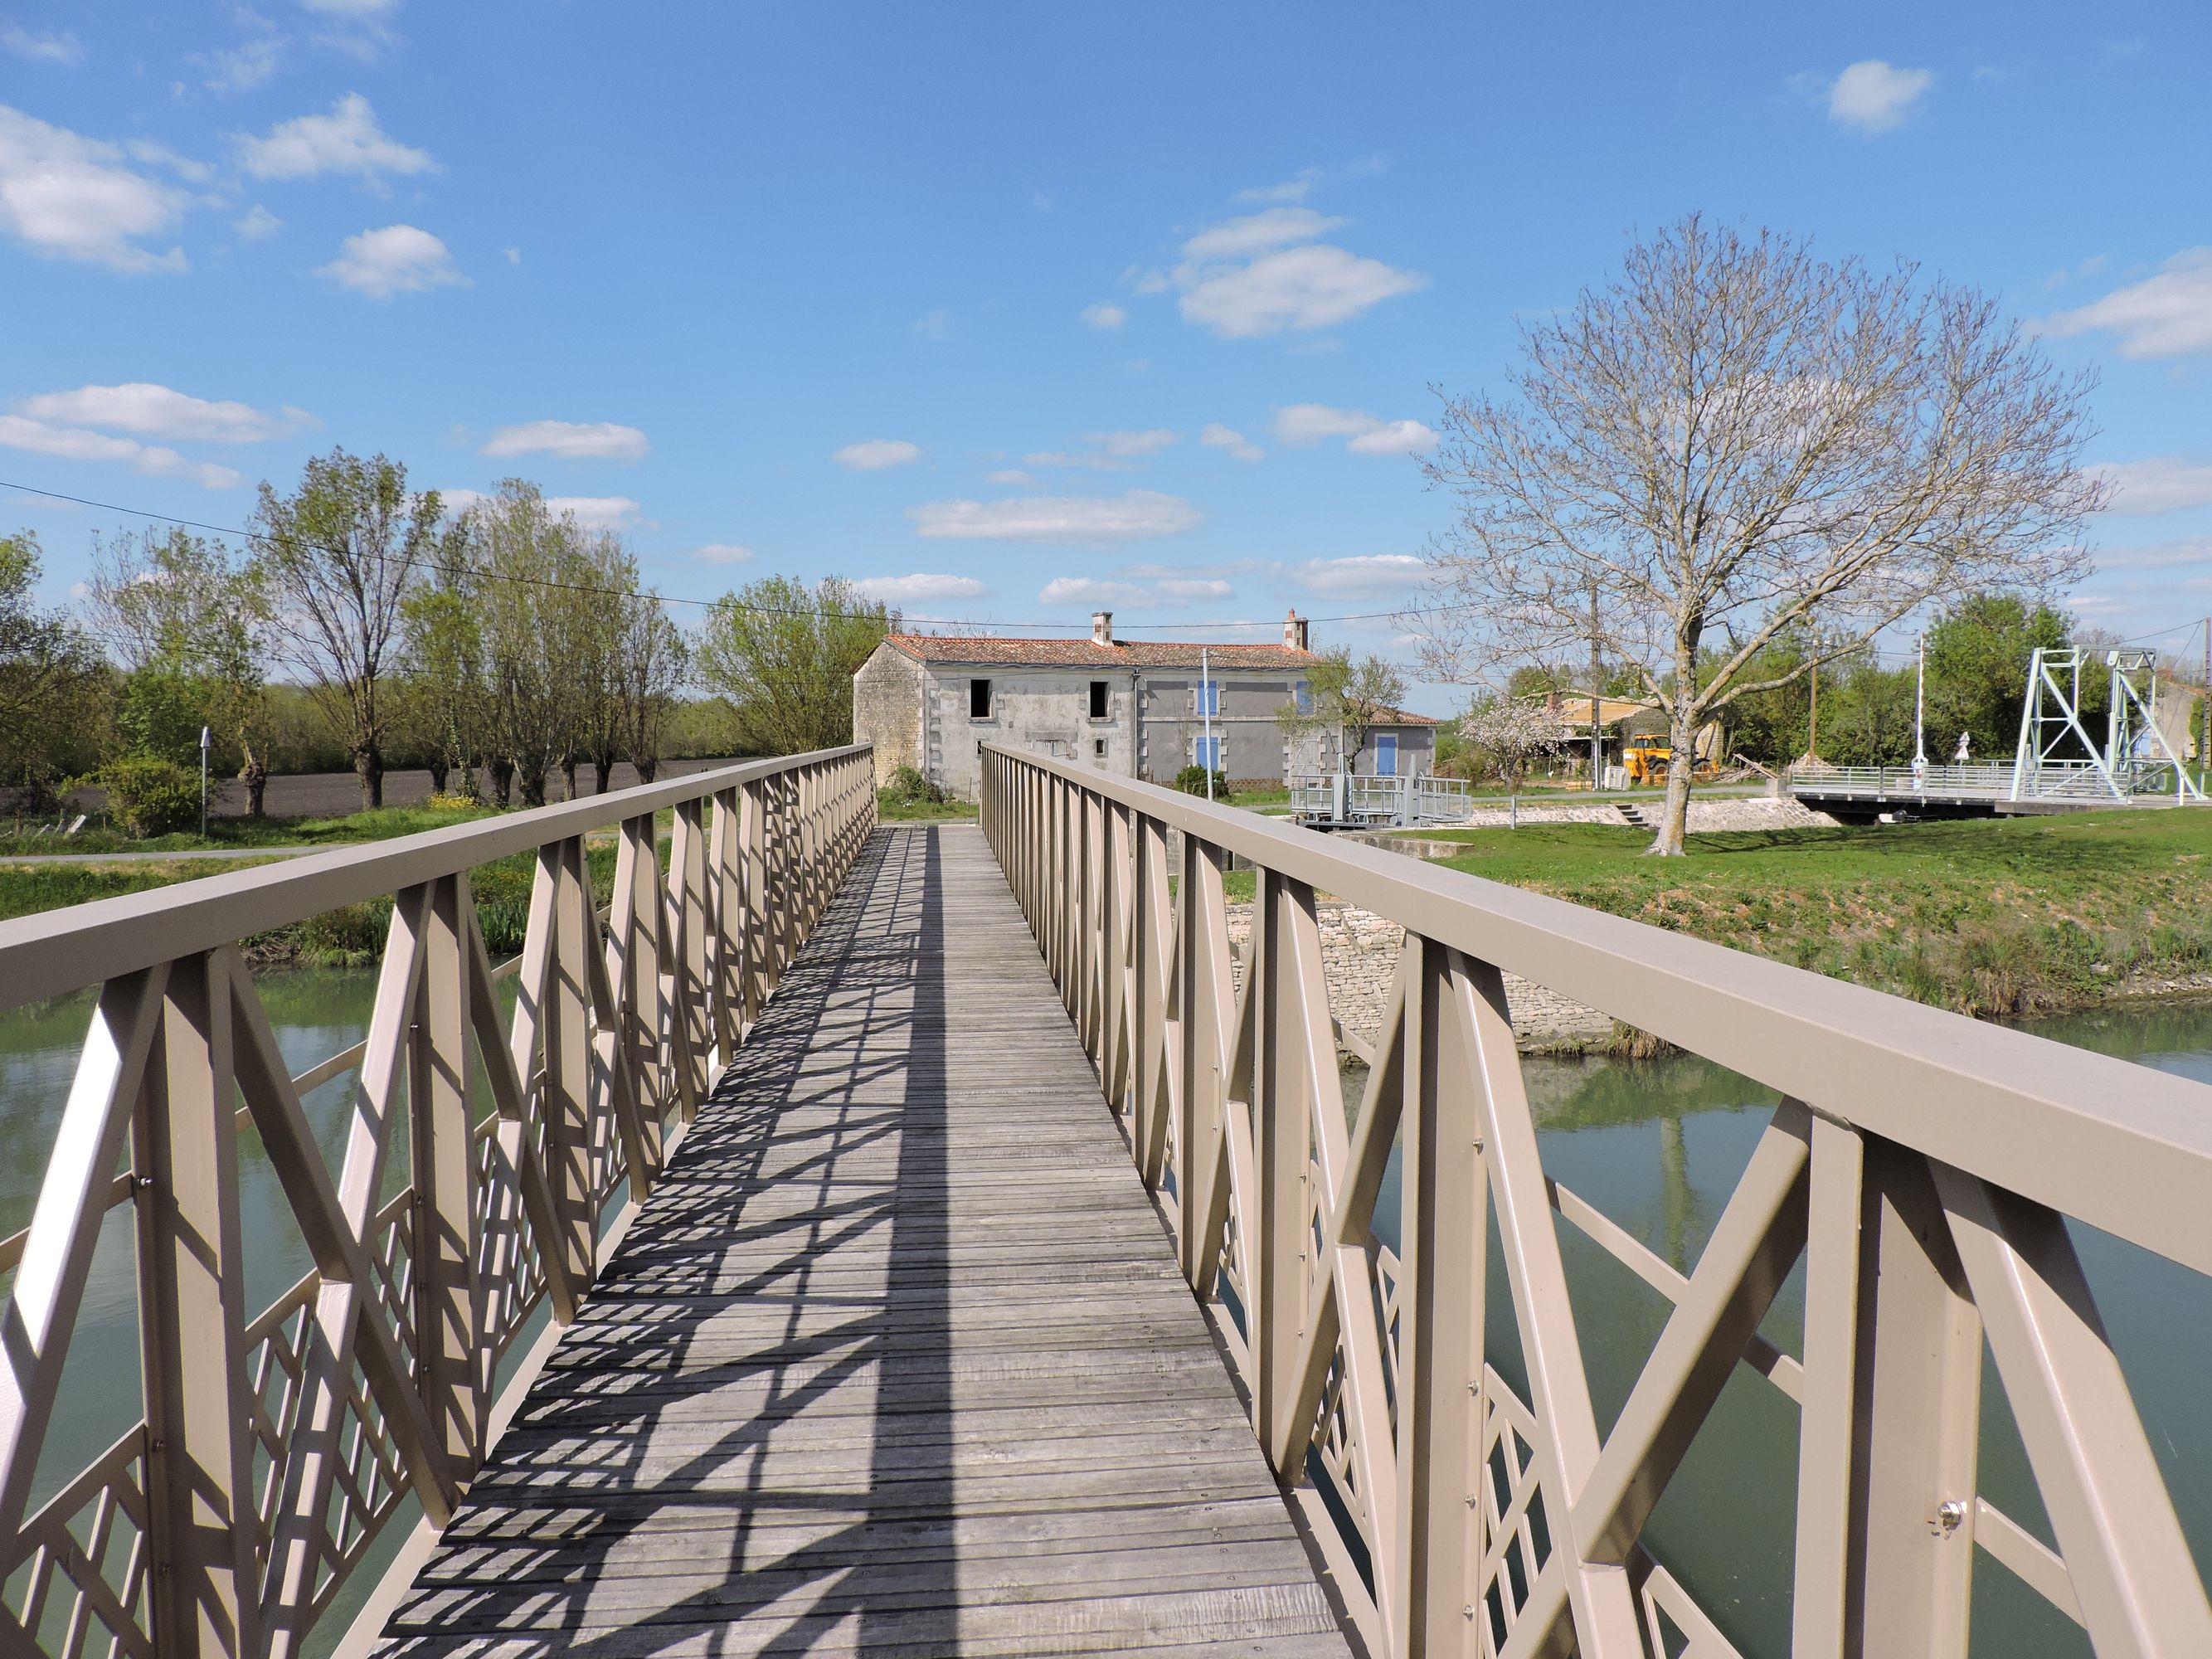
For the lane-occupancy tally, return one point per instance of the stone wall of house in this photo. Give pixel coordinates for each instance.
(887, 709)
(1359, 954)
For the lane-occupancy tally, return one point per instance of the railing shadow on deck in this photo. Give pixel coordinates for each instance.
(588, 1495)
(1925, 1167)
(275, 1446)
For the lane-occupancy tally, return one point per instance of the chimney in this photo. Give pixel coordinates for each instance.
(1294, 632)
(1101, 628)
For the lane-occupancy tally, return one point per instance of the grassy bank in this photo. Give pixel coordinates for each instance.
(892, 808)
(348, 937)
(1989, 917)
(244, 835)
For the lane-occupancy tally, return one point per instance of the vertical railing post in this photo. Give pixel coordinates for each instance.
(637, 924)
(199, 1408)
(1281, 1251)
(451, 1355)
(1916, 1412)
(686, 910)
(725, 929)
(567, 1096)
(1442, 1269)
(751, 946)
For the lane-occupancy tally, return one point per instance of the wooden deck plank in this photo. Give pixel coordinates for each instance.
(895, 1360)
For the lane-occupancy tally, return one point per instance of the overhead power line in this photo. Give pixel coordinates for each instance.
(704, 604)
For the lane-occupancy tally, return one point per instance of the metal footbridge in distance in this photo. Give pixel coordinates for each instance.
(828, 1237)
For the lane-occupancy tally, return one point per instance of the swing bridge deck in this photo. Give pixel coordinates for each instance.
(2070, 787)
(941, 1240)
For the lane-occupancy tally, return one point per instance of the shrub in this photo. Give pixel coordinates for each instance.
(1192, 781)
(150, 796)
(455, 804)
(909, 787)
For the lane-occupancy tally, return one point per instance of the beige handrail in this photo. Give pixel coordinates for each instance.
(276, 1447)
(1924, 1165)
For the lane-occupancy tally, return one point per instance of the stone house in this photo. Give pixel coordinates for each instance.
(1133, 707)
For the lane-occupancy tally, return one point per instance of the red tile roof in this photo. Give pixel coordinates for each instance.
(1403, 717)
(1086, 654)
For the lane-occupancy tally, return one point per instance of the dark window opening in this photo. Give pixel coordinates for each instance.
(979, 699)
(1099, 747)
(1099, 691)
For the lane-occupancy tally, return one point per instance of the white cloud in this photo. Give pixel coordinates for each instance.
(347, 140)
(1009, 475)
(935, 325)
(572, 440)
(514, 255)
(723, 553)
(2161, 555)
(1092, 592)
(75, 444)
(1297, 287)
(398, 259)
(1232, 239)
(1290, 190)
(68, 197)
(874, 454)
(241, 68)
(922, 585)
(1364, 573)
(1873, 96)
(1104, 316)
(41, 45)
(2163, 484)
(352, 8)
(596, 512)
(1310, 423)
(1217, 436)
(1136, 515)
(2165, 315)
(258, 223)
(1132, 445)
(147, 411)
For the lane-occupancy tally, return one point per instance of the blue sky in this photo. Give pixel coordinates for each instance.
(1019, 310)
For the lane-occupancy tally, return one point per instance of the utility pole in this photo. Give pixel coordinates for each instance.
(1920, 708)
(2204, 707)
(1597, 669)
(1813, 716)
(1206, 718)
(203, 775)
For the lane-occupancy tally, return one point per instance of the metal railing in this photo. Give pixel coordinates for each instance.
(1408, 802)
(1923, 1165)
(2061, 781)
(275, 1445)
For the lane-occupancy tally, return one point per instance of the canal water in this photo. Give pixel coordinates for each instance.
(1657, 1144)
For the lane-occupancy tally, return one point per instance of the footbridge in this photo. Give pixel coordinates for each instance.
(825, 1236)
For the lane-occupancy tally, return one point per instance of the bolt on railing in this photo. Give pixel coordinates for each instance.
(275, 1446)
(1922, 1166)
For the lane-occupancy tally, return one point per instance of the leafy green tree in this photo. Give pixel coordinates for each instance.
(1346, 698)
(541, 600)
(53, 685)
(445, 666)
(190, 623)
(1978, 658)
(784, 655)
(337, 558)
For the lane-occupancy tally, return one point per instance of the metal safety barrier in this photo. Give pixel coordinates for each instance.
(276, 1444)
(1922, 1166)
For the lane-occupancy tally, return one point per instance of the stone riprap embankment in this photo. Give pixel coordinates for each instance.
(1359, 954)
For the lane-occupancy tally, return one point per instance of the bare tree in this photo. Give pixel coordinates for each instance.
(336, 559)
(1735, 438)
(1345, 698)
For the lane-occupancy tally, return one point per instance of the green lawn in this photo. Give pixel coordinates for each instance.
(2002, 916)
(244, 835)
(899, 809)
